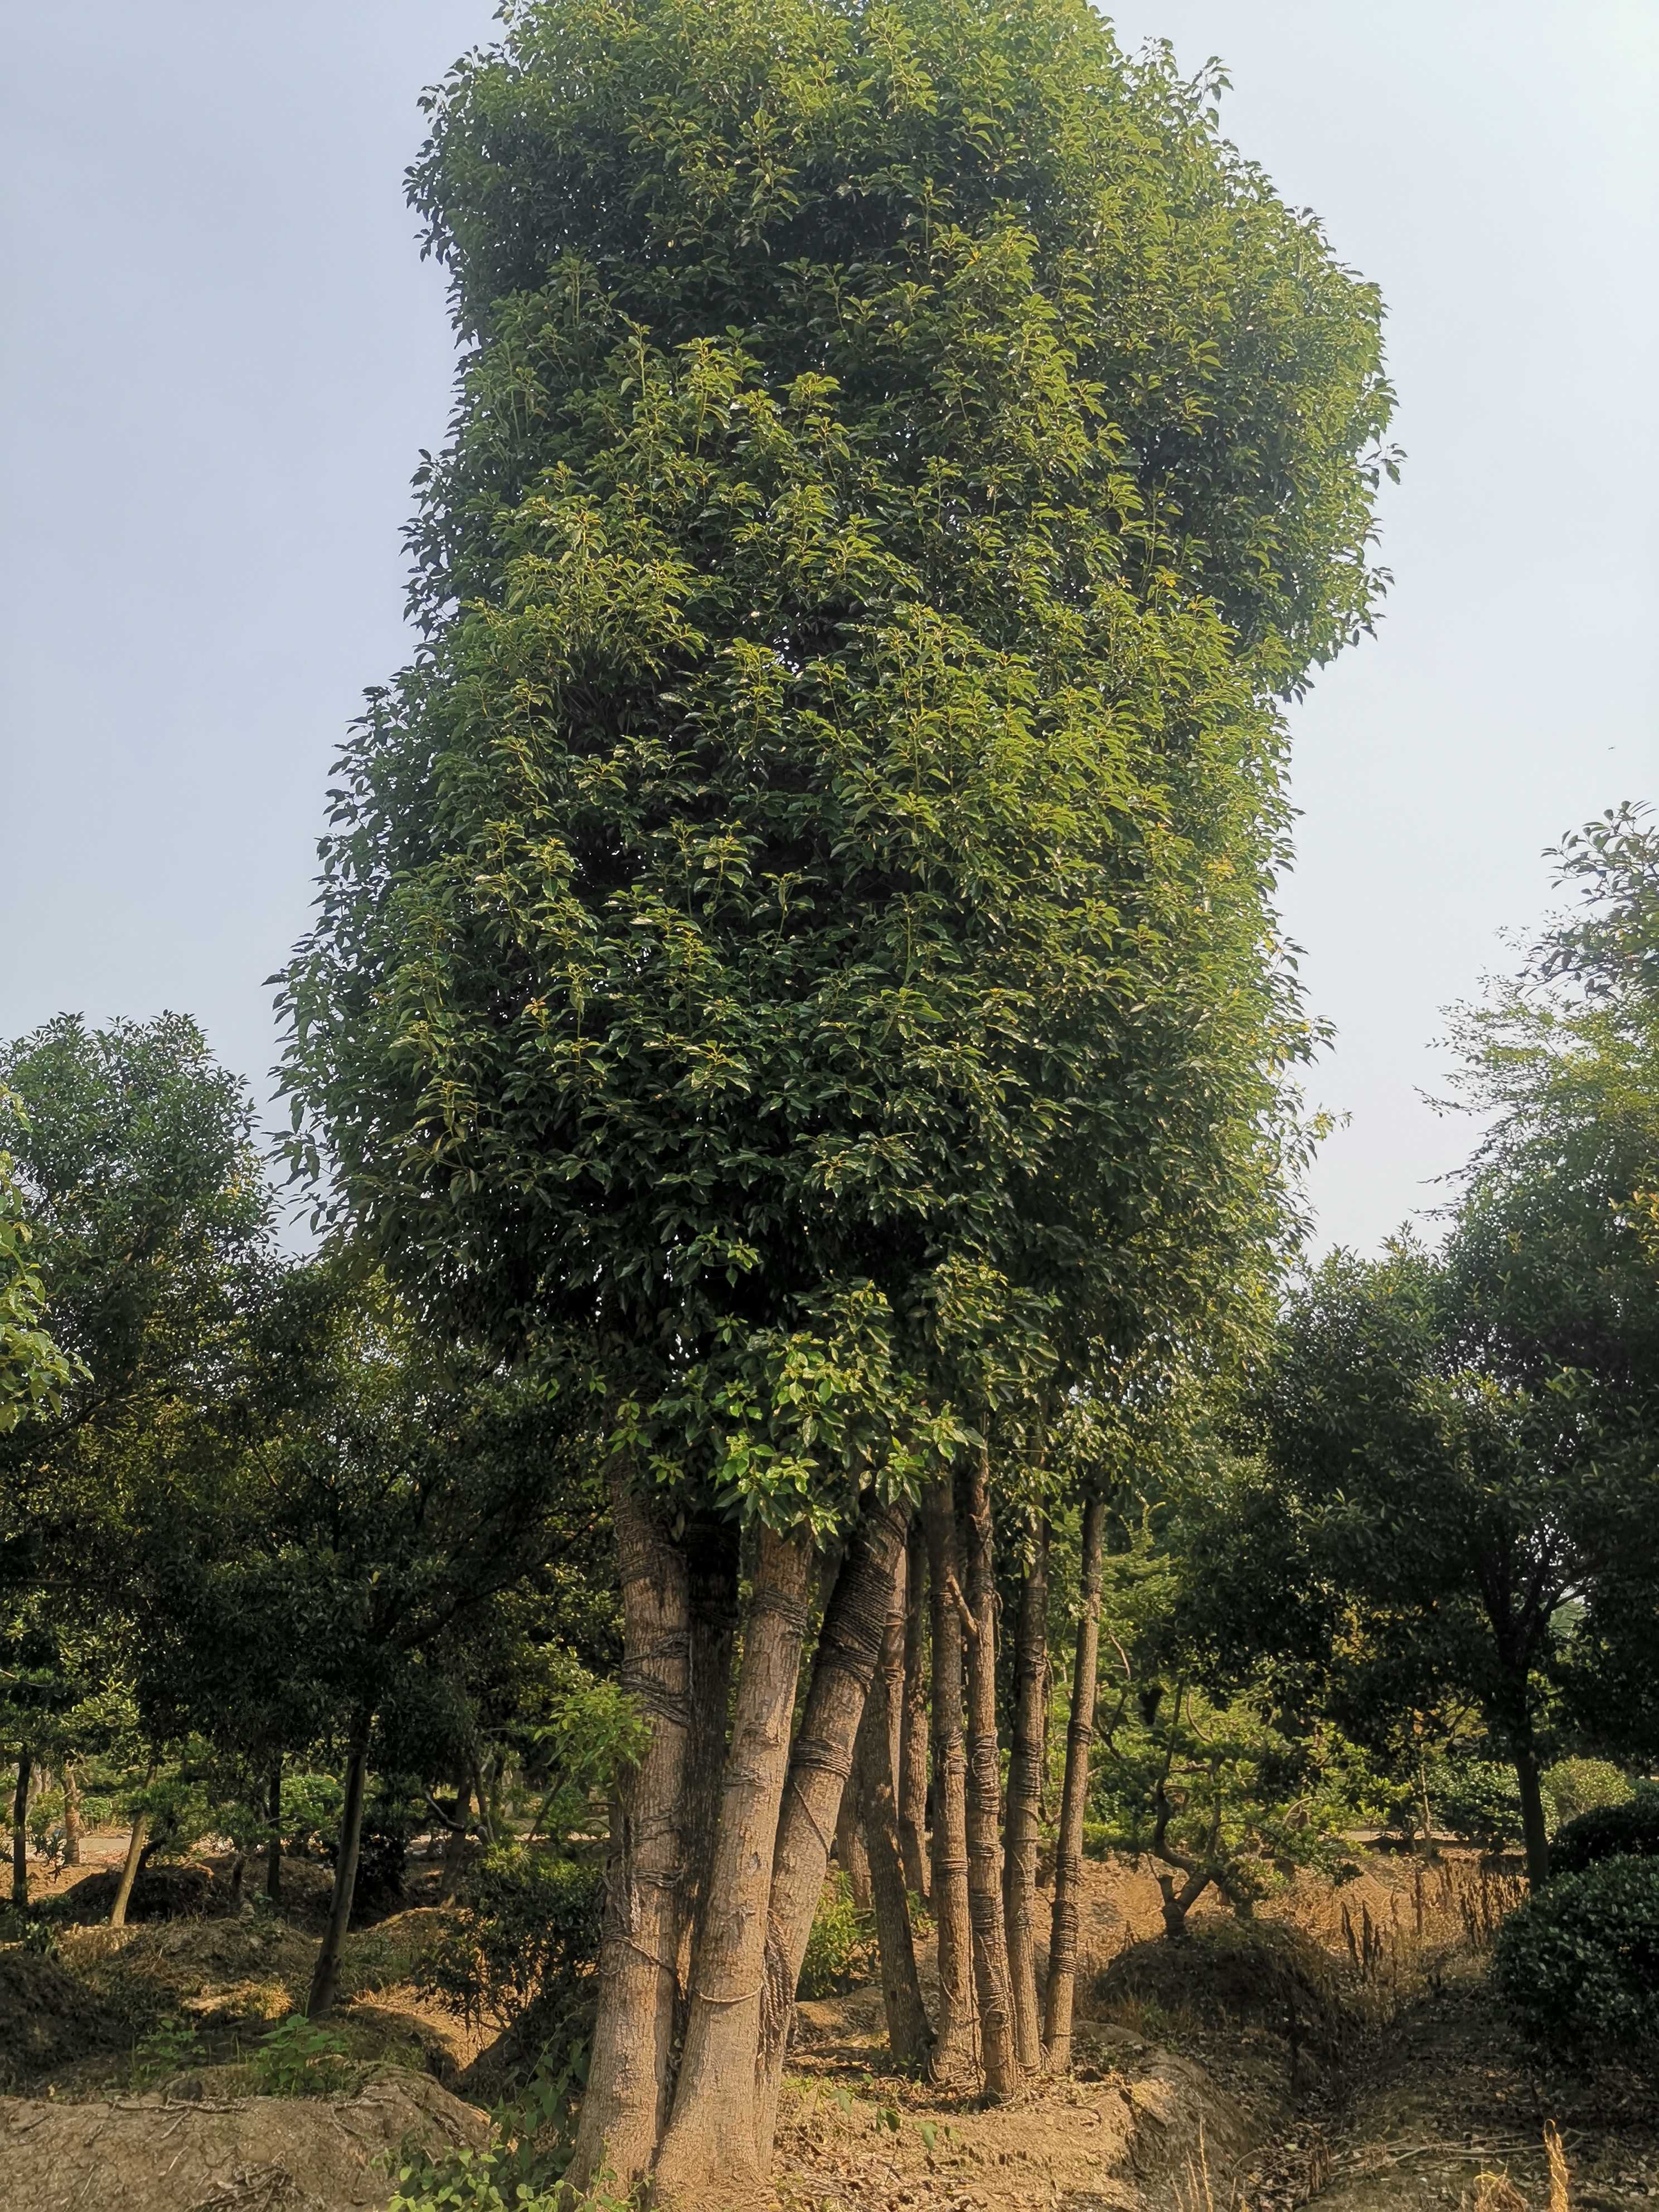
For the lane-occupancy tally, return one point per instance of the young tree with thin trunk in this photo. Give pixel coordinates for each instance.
(20, 1831)
(808, 902)
(325, 1976)
(955, 2045)
(1022, 1834)
(913, 1731)
(910, 2037)
(1060, 1994)
(997, 2032)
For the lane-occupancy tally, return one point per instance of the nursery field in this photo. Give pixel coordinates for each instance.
(1342, 2049)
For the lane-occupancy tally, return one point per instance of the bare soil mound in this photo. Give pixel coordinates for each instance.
(248, 2154)
(1261, 1974)
(161, 1892)
(48, 2017)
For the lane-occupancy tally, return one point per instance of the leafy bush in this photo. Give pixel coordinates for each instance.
(838, 1950)
(1478, 1800)
(527, 1931)
(1579, 1960)
(171, 2046)
(297, 2058)
(1630, 1830)
(1575, 1786)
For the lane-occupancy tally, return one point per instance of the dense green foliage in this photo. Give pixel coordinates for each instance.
(1630, 1829)
(799, 933)
(527, 1934)
(1579, 1962)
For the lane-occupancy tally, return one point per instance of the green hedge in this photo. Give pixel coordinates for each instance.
(1579, 1960)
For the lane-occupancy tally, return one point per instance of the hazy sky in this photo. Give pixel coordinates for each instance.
(222, 354)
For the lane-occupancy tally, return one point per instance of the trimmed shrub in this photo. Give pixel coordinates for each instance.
(1627, 1831)
(1579, 1962)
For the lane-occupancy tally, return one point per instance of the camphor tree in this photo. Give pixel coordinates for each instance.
(794, 948)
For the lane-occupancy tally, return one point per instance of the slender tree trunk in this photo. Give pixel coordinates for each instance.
(849, 1645)
(625, 2106)
(481, 1798)
(1019, 1866)
(1074, 1798)
(20, 1831)
(913, 1732)
(851, 1855)
(709, 2150)
(134, 1860)
(274, 1841)
(954, 2049)
(908, 2034)
(1534, 1826)
(999, 2051)
(325, 1981)
(455, 1842)
(71, 1814)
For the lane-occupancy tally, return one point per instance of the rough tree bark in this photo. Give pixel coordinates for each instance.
(913, 1730)
(999, 2053)
(714, 1564)
(71, 1814)
(908, 2034)
(851, 1855)
(849, 1645)
(1535, 1829)
(709, 2153)
(325, 1979)
(1024, 1814)
(1074, 1797)
(624, 2107)
(955, 2046)
(274, 1847)
(20, 1831)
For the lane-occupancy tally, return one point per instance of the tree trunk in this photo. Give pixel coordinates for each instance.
(908, 2034)
(1019, 1866)
(325, 1979)
(20, 1831)
(713, 1567)
(1178, 1903)
(954, 2049)
(481, 1799)
(134, 1860)
(1534, 1826)
(999, 2052)
(455, 1842)
(625, 2108)
(71, 1814)
(1074, 1798)
(274, 1845)
(851, 1855)
(707, 2151)
(849, 1645)
(913, 1731)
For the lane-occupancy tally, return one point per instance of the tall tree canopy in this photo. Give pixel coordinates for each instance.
(800, 935)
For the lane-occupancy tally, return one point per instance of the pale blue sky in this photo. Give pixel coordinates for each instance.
(222, 354)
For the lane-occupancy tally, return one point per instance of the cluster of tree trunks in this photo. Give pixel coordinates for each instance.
(838, 1745)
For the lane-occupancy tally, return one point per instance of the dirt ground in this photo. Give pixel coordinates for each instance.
(1393, 2083)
